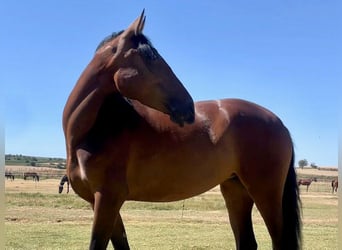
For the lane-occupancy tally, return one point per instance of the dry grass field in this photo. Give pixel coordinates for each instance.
(318, 172)
(37, 217)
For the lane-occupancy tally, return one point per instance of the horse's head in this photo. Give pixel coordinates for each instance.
(140, 73)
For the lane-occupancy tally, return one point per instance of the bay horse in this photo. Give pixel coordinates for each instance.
(34, 176)
(64, 180)
(133, 132)
(306, 182)
(334, 185)
(9, 176)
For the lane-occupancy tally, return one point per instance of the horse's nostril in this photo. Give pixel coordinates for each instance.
(188, 113)
(182, 116)
(181, 111)
(190, 118)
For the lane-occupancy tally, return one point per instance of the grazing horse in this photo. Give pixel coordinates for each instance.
(9, 176)
(133, 132)
(334, 185)
(64, 179)
(34, 176)
(306, 182)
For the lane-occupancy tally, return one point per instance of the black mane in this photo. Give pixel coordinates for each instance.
(108, 39)
(140, 42)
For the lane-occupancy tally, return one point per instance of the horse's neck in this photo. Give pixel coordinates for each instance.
(153, 117)
(85, 101)
(84, 85)
(115, 114)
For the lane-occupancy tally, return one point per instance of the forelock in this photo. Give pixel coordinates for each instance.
(108, 39)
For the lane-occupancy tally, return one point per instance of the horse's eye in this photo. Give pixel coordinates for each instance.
(114, 49)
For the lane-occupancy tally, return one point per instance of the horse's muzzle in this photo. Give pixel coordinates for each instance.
(181, 113)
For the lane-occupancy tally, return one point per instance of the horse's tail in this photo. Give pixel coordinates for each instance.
(61, 183)
(292, 224)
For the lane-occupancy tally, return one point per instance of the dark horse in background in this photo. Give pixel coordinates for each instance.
(306, 182)
(334, 185)
(133, 132)
(64, 180)
(32, 175)
(9, 176)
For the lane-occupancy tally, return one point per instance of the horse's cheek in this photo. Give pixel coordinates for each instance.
(125, 81)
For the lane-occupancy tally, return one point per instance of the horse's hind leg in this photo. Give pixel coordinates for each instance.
(269, 204)
(119, 237)
(239, 205)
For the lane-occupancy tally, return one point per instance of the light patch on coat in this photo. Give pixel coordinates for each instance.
(216, 123)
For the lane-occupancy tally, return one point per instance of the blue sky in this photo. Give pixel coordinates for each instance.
(284, 55)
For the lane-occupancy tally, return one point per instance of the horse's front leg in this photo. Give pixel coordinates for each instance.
(119, 237)
(106, 213)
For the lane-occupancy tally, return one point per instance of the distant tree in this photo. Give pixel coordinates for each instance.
(302, 163)
(33, 163)
(313, 165)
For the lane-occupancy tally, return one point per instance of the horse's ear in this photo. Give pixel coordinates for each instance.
(139, 28)
(136, 27)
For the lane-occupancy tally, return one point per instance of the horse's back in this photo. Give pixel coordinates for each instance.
(253, 128)
(235, 106)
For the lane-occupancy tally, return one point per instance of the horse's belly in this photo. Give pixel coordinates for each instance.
(166, 193)
(177, 181)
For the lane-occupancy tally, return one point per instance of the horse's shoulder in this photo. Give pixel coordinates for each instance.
(214, 116)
